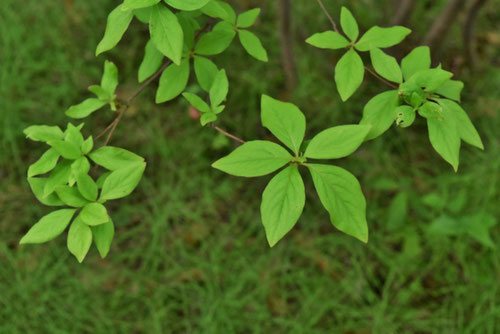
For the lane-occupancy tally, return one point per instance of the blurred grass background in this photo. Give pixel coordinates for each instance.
(190, 255)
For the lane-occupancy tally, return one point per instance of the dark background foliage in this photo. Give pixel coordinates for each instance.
(190, 255)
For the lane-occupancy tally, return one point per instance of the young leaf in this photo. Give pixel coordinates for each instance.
(444, 137)
(451, 89)
(114, 158)
(337, 142)
(109, 80)
(248, 18)
(465, 128)
(405, 116)
(378, 37)
(103, 236)
(215, 41)
(173, 81)
(349, 24)
(379, 112)
(282, 204)
(71, 196)
(220, 10)
(100, 93)
(80, 166)
(166, 33)
(122, 182)
(118, 22)
(254, 158)
(94, 214)
(151, 61)
(340, 193)
(285, 121)
(87, 145)
(66, 149)
(208, 117)
(197, 102)
(137, 4)
(45, 164)
(219, 89)
(417, 60)
(60, 175)
(73, 135)
(386, 66)
(252, 44)
(85, 108)
(37, 186)
(79, 239)
(188, 5)
(328, 40)
(87, 187)
(48, 227)
(43, 133)
(349, 74)
(431, 79)
(205, 71)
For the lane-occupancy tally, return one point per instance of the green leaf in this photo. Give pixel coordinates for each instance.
(37, 186)
(417, 60)
(252, 44)
(405, 116)
(137, 4)
(349, 74)
(94, 214)
(43, 133)
(444, 137)
(73, 135)
(103, 236)
(379, 112)
(208, 117)
(85, 108)
(285, 121)
(173, 81)
(109, 80)
(48, 227)
(205, 71)
(87, 187)
(66, 149)
(328, 40)
(100, 93)
(451, 89)
(87, 145)
(220, 10)
(151, 62)
(197, 102)
(166, 33)
(57, 177)
(248, 18)
(349, 24)
(341, 195)
(71, 196)
(378, 37)
(122, 182)
(189, 5)
(118, 22)
(465, 128)
(386, 66)
(114, 158)
(282, 204)
(219, 89)
(80, 166)
(45, 164)
(254, 158)
(337, 142)
(79, 239)
(215, 41)
(431, 79)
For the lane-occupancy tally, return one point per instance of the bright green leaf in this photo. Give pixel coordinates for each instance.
(151, 62)
(337, 142)
(43, 133)
(188, 5)
(282, 204)
(71, 196)
(137, 4)
(114, 158)
(451, 89)
(85, 108)
(349, 74)
(118, 22)
(254, 158)
(79, 239)
(219, 89)
(220, 10)
(66, 149)
(197, 102)
(341, 195)
(103, 236)
(417, 60)
(431, 79)
(45, 164)
(109, 80)
(378, 37)
(216, 41)
(349, 24)
(122, 182)
(379, 112)
(94, 214)
(444, 137)
(205, 71)
(252, 44)
(386, 66)
(37, 186)
(87, 187)
(328, 40)
(166, 33)
(173, 81)
(48, 227)
(248, 18)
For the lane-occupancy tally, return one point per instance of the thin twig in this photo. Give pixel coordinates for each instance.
(229, 135)
(388, 83)
(330, 18)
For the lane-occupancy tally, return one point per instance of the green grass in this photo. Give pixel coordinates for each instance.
(190, 255)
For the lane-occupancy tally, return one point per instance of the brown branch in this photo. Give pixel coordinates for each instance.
(286, 39)
(227, 134)
(442, 23)
(330, 18)
(468, 32)
(374, 74)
